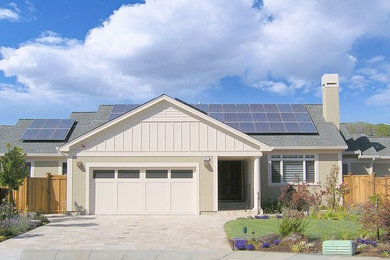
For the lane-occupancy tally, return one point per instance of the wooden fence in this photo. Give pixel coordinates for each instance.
(363, 186)
(46, 195)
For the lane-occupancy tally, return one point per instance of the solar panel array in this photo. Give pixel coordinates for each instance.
(48, 130)
(121, 109)
(262, 118)
(252, 118)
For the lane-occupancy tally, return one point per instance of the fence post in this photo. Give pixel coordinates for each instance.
(373, 183)
(48, 175)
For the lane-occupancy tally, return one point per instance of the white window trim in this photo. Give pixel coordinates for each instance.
(281, 159)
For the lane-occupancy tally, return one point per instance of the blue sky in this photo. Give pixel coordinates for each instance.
(62, 56)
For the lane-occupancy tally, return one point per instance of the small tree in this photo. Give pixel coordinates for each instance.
(13, 170)
(334, 191)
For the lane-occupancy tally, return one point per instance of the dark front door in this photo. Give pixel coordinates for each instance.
(230, 180)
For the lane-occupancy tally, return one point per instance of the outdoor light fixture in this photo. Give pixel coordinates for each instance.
(206, 160)
(79, 164)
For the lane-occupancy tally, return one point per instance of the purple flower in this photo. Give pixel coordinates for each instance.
(250, 247)
(366, 242)
(265, 245)
(279, 216)
(276, 242)
(240, 244)
(262, 217)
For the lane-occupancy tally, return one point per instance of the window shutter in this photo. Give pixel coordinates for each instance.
(292, 171)
(310, 176)
(276, 177)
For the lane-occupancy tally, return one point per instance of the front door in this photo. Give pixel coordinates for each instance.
(230, 181)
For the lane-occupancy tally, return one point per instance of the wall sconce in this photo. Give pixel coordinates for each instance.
(206, 161)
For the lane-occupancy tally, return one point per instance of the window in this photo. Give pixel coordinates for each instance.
(156, 174)
(103, 174)
(181, 174)
(64, 168)
(128, 174)
(289, 168)
(28, 165)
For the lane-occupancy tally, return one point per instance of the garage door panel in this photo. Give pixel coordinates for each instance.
(182, 197)
(129, 197)
(157, 197)
(105, 197)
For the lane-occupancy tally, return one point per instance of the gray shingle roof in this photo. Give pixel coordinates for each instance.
(327, 136)
(366, 145)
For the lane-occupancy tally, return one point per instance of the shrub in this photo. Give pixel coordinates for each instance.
(5, 212)
(376, 216)
(15, 225)
(293, 221)
(298, 197)
(276, 242)
(271, 206)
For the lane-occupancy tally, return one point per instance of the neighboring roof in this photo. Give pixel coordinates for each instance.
(364, 145)
(328, 135)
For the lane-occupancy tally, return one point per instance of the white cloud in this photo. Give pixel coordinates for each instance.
(185, 47)
(8, 14)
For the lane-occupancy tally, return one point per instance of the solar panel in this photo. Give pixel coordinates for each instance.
(120, 109)
(229, 108)
(48, 130)
(252, 118)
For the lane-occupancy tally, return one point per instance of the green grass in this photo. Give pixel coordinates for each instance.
(323, 229)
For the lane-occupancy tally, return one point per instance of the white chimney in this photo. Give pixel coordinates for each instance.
(330, 98)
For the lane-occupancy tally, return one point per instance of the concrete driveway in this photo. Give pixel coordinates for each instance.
(186, 233)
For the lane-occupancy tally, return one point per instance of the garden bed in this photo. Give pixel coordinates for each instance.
(263, 235)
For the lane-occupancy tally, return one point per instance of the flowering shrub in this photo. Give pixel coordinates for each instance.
(279, 216)
(302, 245)
(15, 225)
(262, 217)
(250, 247)
(265, 245)
(366, 242)
(277, 242)
(240, 244)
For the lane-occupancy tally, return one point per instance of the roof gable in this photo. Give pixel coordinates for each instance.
(163, 115)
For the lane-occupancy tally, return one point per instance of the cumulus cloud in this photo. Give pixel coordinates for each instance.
(185, 47)
(8, 14)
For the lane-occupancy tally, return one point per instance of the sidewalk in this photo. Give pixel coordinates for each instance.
(31, 254)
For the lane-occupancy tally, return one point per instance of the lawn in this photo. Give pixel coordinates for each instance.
(323, 229)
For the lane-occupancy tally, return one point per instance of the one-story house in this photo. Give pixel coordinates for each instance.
(169, 157)
(365, 154)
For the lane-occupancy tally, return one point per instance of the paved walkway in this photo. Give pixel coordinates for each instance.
(188, 233)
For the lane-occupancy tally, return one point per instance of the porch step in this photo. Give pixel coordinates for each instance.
(238, 213)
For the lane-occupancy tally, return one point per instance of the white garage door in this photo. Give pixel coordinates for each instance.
(144, 191)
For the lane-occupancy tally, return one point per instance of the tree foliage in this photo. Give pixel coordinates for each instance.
(369, 129)
(13, 169)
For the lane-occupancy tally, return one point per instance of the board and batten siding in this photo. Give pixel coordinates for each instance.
(166, 128)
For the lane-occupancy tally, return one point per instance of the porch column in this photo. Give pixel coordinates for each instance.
(256, 184)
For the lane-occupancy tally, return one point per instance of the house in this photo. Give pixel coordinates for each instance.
(365, 154)
(169, 157)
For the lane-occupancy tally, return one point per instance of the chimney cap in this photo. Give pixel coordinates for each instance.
(330, 80)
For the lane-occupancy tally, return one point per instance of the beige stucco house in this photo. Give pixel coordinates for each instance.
(169, 157)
